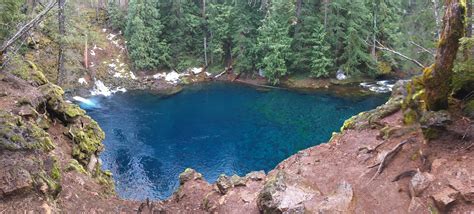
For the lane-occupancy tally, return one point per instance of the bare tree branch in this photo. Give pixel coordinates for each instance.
(27, 27)
(382, 47)
(423, 48)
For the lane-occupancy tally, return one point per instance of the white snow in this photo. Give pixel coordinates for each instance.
(104, 30)
(172, 77)
(118, 75)
(159, 75)
(196, 70)
(92, 52)
(82, 81)
(132, 76)
(111, 36)
(208, 74)
(100, 89)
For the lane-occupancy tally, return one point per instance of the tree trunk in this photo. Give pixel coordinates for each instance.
(437, 78)
(437, 18)
(62, 33)
(204, 31)
(325, 13)
(374, 36)
(469, 18)
(299, 5)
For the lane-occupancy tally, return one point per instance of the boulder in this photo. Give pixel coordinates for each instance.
(433, 123)
(463, 187)
(189, 175)
(224, 183)
(256, 175)
(237, 181)
(279, 196)
(445, 197)
(340, 200)
(419, 182)
(15, 181)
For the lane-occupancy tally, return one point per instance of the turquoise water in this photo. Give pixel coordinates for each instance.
(213, 128)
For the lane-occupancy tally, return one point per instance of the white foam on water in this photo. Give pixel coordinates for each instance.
(83, 100)
(383, 86)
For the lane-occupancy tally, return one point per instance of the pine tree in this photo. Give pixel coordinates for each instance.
(349, 31)
(319, 52)
(147, 48)
(274, 42)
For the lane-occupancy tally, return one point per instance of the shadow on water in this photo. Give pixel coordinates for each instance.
(213, 128)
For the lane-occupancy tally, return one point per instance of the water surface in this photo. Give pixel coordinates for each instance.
(213, 128)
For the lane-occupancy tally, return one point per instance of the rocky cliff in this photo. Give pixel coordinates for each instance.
(49, 163)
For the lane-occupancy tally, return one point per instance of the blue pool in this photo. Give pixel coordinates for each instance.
(213, 128)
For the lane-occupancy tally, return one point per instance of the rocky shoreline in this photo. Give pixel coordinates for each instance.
(49, 151)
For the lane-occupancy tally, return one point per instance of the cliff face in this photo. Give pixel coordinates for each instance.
(49, 163)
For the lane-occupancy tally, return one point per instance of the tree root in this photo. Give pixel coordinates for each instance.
(387, 158)
(405, 174)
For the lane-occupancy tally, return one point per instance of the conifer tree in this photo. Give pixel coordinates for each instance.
(274, 42)
(147, 48)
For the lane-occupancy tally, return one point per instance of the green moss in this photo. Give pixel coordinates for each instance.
(72, 110)
(54, 186)
(469, 108)
(56, 170)
(16, 134)
(73, 165)
(87, 137)
(410, 117)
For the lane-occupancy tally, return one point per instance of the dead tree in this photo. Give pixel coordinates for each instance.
(437, 78)
(27, 27)
(62, 33)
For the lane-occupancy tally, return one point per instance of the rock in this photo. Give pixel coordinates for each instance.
(279, 197)
(256, 175)
(419, 182)
(340, 75)
(433, 123)
(224, 184)
(445, 197)
(189, 175)
(237, 181)
(15, 181)
(340, 200)
(466, 190)
(91, 165)
(469, 108)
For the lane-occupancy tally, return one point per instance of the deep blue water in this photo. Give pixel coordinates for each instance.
(213, 128)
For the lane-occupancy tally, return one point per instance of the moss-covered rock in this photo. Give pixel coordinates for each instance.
(56, 105)
(16, 134)
(433, 123)
(469, 108)
(87, 137)
(74, 165)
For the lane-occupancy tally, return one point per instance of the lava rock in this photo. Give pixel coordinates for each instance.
(189, 175)
(433, 123)
(278, 196)
(419, 182)
(340, 200)
(256, 175)
(237, 181)
(15, 181)
(445, 197)
(224, 184)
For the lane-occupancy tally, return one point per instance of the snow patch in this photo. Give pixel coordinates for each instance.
(196, 70)
(100, 89)
(132, 76)
(172, 77)
(82, 81)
